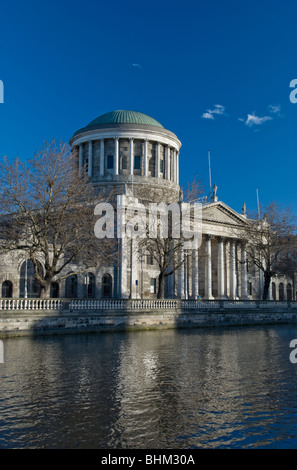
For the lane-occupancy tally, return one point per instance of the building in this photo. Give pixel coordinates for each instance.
(135, 156)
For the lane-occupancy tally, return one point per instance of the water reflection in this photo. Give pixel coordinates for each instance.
(156, 389)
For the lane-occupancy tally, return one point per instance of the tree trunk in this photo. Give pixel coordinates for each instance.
(161, 286)
(267, 279)
(45, 291)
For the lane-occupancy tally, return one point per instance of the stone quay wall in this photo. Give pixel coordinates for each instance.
(37, 316)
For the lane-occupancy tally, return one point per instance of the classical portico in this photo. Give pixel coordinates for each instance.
(218, 268)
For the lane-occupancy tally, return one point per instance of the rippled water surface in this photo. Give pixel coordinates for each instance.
(172, 389)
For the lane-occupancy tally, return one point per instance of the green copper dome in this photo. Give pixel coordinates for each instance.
(125, 117)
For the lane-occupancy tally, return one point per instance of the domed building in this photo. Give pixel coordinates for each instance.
(132, 154)
(129, 147)
(134, 157)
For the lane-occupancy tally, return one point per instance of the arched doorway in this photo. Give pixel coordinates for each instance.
(7, 289)
(273, 288)
(289, 292)
(54, 290)
(90, 283)
(71, 286)
(29, 286)
(106, 286)
(281, 292)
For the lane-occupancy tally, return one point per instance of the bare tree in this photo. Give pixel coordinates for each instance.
(47, 211)
(165, 247)
(193, 190)
(288, 263)
(268, 240)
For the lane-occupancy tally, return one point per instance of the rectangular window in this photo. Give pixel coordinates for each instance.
(250, 288)
(149, 259)
(161, 165)
(153, 285)
(137, 163)
(109, 162)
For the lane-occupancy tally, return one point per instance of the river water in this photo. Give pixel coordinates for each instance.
(169, 389)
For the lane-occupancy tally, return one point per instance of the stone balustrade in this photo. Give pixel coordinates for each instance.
(139, 304)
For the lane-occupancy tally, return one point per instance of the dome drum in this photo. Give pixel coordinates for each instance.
(127, 148)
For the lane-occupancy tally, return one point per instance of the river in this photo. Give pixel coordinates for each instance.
(166, 389)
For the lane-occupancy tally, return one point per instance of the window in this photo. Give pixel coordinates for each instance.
(273, 288)
(109, 162)
(153, 285)
(124, 162)
(90, 285)
(250, 288)
(29, 286)
(289, 292)
(137, 161)
(149, 259)
(281, 294)
(106, 286)
(7, 289)
(54, 290)
(71, 286)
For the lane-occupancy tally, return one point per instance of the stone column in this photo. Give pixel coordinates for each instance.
(145, 162)
(177, 167)
(227, 270)
(116, 156)
(208, 276)
(221, 270)
(90, 159)
(80, 161)
(195, 275)
(131, 157)
(244, 281)
(232, 270)
(158, 160)
(102, 157)
(181, 276)
(167, 160)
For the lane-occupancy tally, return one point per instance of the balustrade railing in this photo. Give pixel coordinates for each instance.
(140, 304)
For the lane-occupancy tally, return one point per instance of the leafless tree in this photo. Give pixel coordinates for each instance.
(268, 240)
(47, 211)
(193, 190)
(165, 247)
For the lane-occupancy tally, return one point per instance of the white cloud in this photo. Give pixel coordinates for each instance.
(274, 109)
(137, 66)
(218, 110)
(253, 120)
(207, 116)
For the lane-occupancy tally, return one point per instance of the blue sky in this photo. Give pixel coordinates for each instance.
(216, 73)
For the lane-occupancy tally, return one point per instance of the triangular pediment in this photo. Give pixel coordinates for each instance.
(221, 214)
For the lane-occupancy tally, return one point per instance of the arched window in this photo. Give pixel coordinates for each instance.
(273, 291)
(7, 289)
(29, 286)
(106, 286)
(54, 291)
(281, 295)
(90, 282)
(71, 286)
(289, 292)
